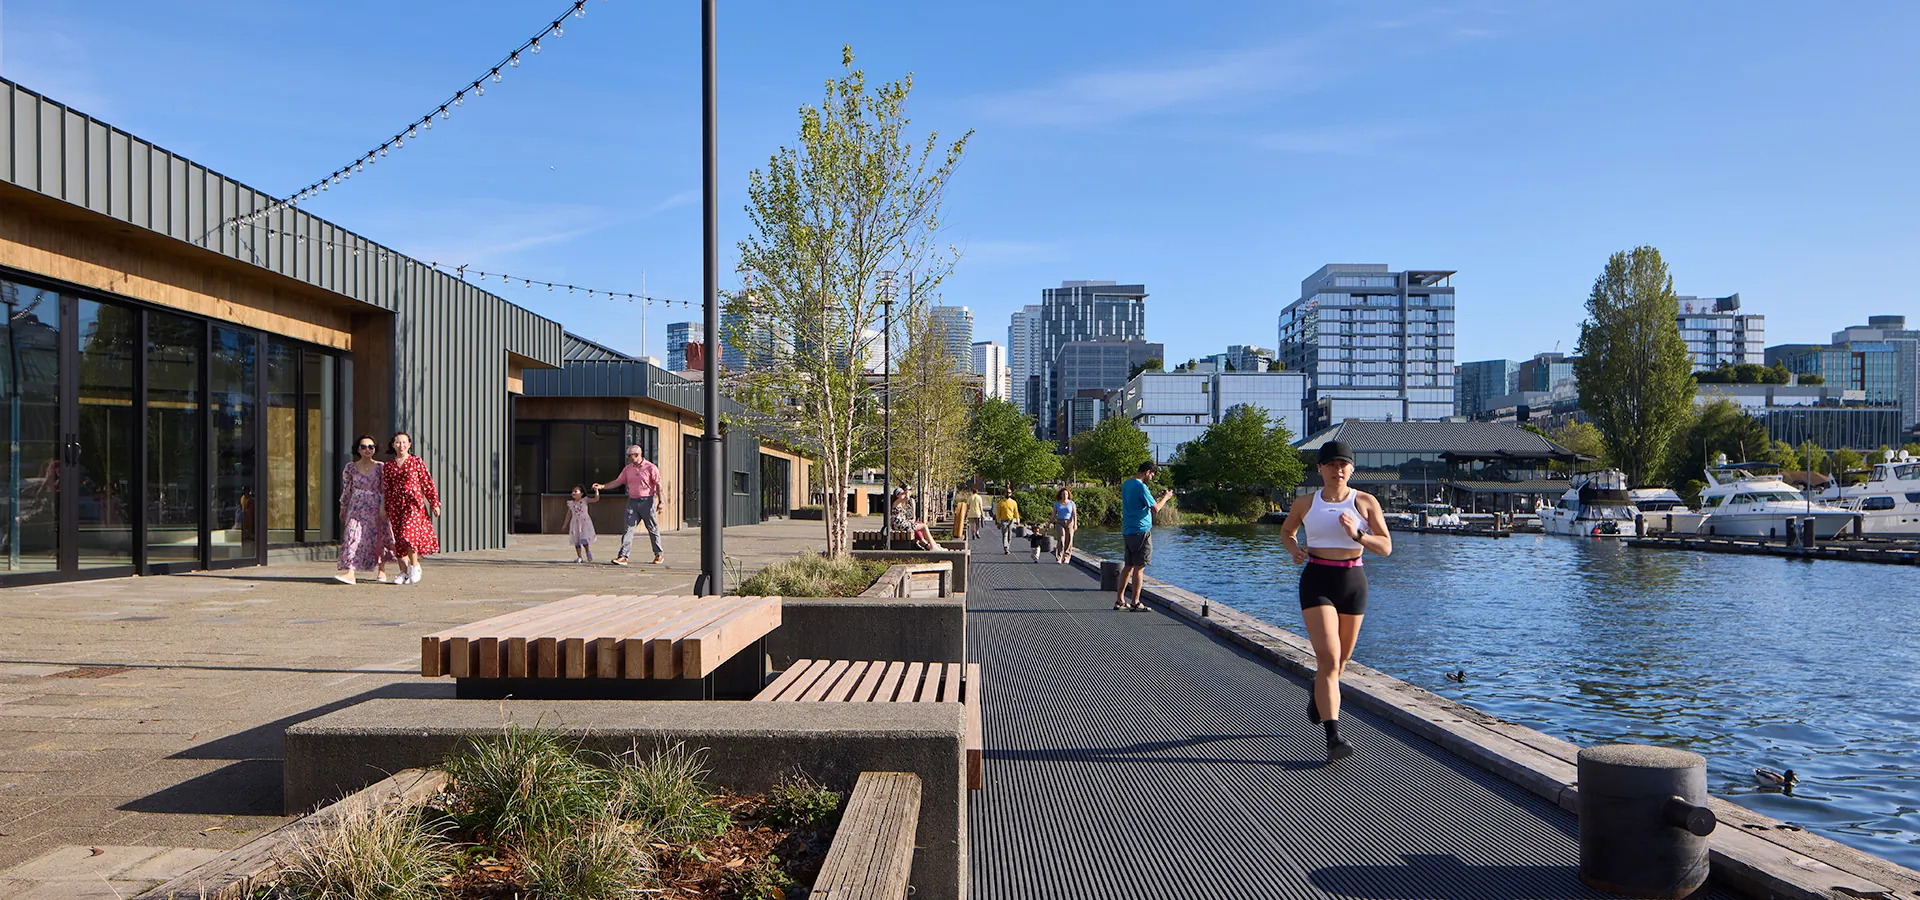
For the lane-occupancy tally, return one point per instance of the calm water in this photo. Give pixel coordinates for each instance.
(1749, 661)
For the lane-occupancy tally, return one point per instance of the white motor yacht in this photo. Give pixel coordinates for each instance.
(1595, 505)
(1739, 503)
(1664, 511)
(1889, 502)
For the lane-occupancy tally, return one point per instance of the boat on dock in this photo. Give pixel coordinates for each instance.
(1888, 503)
(1662, 511)
(1596, 504)
(1739, 503)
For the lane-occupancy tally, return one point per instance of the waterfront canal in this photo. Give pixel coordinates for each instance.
(1750, 661)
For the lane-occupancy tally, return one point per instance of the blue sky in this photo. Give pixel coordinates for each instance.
(1218, 152)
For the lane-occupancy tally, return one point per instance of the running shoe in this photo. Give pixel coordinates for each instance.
(415, 577)
(1339, 750)
(658, 559)
(618, 561)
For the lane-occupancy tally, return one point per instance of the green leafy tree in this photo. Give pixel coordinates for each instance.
(1848, 465)
(930, 406)
(1153, 364)
(1781, 454)
(1583, 438)
(1811, 457)
(1633, 369)
(1276, 366)
(1245, 450)
(834, 222)
(1719, 427)
(1912, 448)
(1113, 450)
(1001, 447)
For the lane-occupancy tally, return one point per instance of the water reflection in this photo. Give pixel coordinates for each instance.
(1750, 661)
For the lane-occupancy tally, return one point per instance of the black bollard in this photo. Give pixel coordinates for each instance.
(1109, 575)
(1807, 539)
(1643, 820)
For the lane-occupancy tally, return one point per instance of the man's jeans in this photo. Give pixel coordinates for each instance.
(639, 512)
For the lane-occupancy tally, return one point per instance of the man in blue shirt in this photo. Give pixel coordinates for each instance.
(1137, 506)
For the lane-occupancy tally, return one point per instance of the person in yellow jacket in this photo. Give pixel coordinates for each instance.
(977, 509)
(1005, 514)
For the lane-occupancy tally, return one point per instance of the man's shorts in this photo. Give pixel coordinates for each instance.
(1139, 549)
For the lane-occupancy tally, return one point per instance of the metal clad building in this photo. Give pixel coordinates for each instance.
(106, 219)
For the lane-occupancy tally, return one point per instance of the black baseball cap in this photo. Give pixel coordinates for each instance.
(1335, 451)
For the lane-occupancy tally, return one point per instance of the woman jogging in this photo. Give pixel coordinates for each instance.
(411, 498)
(1339, 524)
(365, 540)
(1066, 520)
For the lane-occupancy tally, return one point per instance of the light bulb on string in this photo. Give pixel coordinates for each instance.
(535, 47)
(460, 99)
(496, 76)
(558, 31)
(514, 60)
(444, 114)
(360, 166)
(579, 10)
(398, 142)
(479, 91)
(383, 150)
(413, 131)
(427, 123)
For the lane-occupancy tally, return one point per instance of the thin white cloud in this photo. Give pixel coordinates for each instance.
(683, 198)
(491, 235)
(1338, 140)
(1115, 95)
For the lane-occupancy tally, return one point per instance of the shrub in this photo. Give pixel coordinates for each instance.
(600, 859)
(370, 852)
(1036, 505)
(1224, 503)
(526, 783)
(1097, 504)
(801, 802)
(666, 795)
(813, 575)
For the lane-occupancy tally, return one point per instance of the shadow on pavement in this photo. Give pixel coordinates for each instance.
(1443, 876)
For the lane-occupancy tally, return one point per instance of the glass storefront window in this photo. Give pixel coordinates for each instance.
(175, 438)
(323, 449)
(30, 424)
(104, 448)
(232, 390)
(283, 443)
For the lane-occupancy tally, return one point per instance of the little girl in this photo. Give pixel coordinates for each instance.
(580, 525)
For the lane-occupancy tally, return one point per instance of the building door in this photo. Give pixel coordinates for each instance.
(99, 491)
(174, 499)
(30, 380)
(774, 502)
(690, 480)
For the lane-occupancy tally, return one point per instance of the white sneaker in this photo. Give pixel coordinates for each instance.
(344, 577)
(382, 576)
(413, 575)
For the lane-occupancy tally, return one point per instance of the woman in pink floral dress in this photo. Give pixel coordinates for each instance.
(411, 498)
(365, 540)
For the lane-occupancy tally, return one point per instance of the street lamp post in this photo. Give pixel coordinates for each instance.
(713, 508)
(886, 391)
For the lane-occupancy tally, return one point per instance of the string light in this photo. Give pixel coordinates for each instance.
(469, 272)
(577, 9)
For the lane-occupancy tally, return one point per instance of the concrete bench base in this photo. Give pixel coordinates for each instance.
(955, 553)
(749, 747)
(931, 629)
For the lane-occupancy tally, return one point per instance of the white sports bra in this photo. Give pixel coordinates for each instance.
(1321, 527)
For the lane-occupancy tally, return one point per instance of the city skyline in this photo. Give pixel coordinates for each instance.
(1219, 154)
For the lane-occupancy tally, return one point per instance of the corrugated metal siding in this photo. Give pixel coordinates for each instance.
(451, 338)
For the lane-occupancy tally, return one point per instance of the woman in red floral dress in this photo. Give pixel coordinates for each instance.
(411, 498)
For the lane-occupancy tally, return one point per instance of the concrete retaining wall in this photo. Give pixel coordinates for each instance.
(959, 557)
(749, 747)
(909, 629)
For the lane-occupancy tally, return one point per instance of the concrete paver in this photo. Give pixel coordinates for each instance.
(178, 749)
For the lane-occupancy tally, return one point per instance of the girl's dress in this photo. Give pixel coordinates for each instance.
(410, 496)
(579, 524)
(365, 540)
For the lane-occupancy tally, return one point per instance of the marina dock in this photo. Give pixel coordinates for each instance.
(1886, 552)
(1163, 754)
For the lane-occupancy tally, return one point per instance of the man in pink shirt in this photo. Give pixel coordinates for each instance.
(641, 478)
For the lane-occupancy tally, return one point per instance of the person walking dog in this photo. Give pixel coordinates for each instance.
(641, 478)
(1137, 506)
(1339, 524)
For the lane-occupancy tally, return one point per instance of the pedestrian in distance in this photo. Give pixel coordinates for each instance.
(641, 479)
(580, 524)
(413, 502)
(1137, 506)
(1066, 520)
(1006, 514)
(1339, 524)
(366, 541)
(977, 509)
(903, 522)
(1038, 539)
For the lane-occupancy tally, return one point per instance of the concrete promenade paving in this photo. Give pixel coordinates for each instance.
(142, 717)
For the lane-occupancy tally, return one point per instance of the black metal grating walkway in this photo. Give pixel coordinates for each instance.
(1130, 755)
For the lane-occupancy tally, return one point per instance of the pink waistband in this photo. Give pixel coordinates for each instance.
(1336, 563)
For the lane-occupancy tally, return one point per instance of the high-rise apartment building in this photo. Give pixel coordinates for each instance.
(955, 324)
(1079, 311)
(1718, 334)
(679, 335)
(1543, 372)
(1475, 383)
(1023, 355)
(1173, 408)
(989, 361)
(1375, 344)
(1248, 358)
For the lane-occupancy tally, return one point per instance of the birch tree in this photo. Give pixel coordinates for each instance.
(853, 207)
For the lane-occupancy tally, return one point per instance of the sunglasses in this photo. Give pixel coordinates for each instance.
(367, 447)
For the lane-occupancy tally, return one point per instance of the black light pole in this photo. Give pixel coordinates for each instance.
(713, 508)
(886, 390)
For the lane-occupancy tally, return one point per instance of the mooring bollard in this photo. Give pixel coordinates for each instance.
(1807, 539)
(1644, 820)
(1109, 575)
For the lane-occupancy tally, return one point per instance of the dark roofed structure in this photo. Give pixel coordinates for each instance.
(1477, 466)
(1465, 440)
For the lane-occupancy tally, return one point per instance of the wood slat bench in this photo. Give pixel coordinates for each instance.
(866, 681)
(872, 853)
(603, 636)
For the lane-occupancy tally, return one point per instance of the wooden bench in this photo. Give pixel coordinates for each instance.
(862, 681)
(872, 853)
(603, 636)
